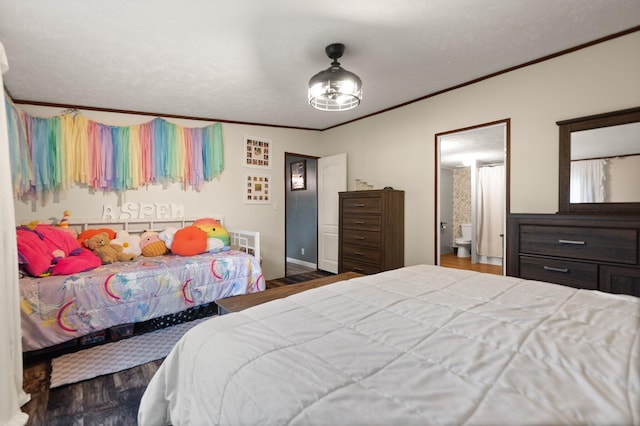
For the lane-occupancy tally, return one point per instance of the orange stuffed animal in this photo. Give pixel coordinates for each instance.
(189, 241)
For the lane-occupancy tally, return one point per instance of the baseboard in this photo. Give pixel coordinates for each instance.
(302, 263)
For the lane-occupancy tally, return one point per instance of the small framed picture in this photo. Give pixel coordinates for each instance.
(257, 152)
(257, 189)
(299, 175)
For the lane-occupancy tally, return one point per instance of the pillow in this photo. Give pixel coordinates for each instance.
(130, 243)
(189, 241)
(167, 235)
(214, 230)
(151, 244)
(85, 235)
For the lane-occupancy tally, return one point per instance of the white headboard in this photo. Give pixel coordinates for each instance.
(247, 241)
(137, 225)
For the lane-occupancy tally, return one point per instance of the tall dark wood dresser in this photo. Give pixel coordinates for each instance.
(371, 235)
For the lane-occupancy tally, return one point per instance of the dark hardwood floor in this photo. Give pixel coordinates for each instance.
(107, 400)
(297, 278)
(295, 269)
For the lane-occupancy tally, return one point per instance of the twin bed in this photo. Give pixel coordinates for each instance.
(64, 310)
(416, 345)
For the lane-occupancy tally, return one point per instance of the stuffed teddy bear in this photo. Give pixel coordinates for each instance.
(106, 251)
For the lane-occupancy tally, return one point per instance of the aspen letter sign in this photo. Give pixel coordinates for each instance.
(143, 211)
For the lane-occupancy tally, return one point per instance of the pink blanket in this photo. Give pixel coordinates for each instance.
(48, 250)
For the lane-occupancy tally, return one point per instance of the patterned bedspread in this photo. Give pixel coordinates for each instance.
(59, 308)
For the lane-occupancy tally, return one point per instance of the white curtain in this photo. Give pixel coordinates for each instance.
(12, 397)
(490, 211)
(587, 181)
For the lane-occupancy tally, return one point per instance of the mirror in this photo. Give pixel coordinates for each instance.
(600, 163)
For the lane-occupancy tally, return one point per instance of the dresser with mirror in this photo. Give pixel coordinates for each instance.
(593, 242)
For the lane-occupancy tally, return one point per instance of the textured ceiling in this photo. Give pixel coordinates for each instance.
(620, 140)
(250, 61)
(485, 145)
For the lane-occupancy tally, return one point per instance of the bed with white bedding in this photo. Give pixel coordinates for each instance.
(417, 345)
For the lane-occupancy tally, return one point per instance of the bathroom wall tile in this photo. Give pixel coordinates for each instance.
(461, 199)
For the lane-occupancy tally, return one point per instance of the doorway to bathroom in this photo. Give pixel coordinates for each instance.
(472, 197)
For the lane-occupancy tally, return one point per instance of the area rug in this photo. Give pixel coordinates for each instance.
(116, 356)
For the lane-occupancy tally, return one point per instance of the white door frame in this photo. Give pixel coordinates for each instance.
(507, 137)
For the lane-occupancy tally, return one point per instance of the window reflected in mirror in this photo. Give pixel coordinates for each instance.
(605, 164)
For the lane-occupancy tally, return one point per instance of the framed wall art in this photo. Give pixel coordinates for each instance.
(257, 152)
(299, 175)
(257, 189)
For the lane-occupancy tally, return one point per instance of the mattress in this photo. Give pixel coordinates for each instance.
(57, 309)
(413, 346)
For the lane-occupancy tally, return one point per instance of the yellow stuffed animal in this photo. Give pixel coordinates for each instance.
(106, 251)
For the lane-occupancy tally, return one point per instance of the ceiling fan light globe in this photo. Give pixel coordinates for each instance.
(335, 89)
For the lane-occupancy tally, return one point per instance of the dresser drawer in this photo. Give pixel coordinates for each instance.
(361, 238)
(366, 205)
(621, 280)
(566, 272)
(364, 222)
(599, 244)
(364, 254)
(349, 265)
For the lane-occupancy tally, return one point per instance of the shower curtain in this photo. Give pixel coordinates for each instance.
(12, 397)
(490, 211)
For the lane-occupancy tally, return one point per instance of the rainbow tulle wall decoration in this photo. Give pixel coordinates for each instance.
(53, 154)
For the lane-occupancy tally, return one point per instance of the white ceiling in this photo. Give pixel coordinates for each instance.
(485, 145)
(623, 139)
(250, 60)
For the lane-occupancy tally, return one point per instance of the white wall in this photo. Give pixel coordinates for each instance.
(397, 148)
(218, 197)
(622, 184)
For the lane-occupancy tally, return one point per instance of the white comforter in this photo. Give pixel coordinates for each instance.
(418, 345)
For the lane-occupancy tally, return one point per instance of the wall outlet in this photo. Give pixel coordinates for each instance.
(302, 251)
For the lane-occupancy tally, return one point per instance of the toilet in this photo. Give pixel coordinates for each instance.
(464, 242)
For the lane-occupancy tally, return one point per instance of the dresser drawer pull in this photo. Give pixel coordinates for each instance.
(359, 205)
(358, 237)
(356, 269)
(552, 269)
(358, 222)
(571, 242)
(358, 253)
